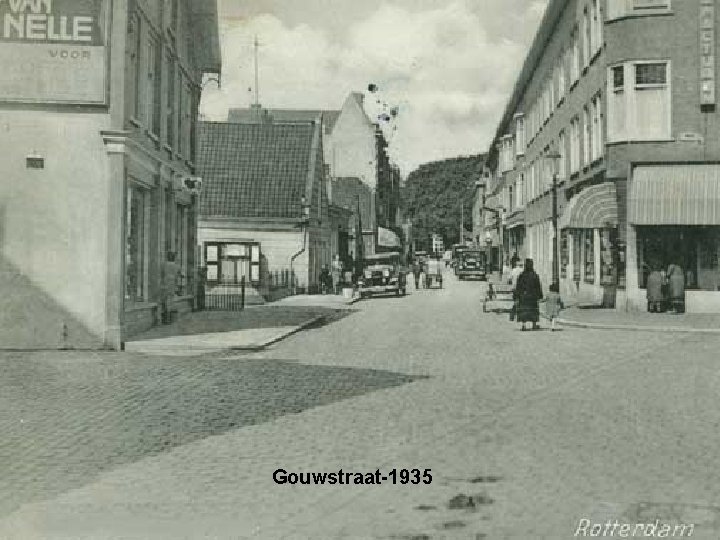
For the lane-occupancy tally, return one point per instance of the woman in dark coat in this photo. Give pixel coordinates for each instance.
(676, 287)
(528, 293)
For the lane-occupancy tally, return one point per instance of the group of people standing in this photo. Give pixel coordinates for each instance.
(666, 289)
(332, 279)
(528, 293)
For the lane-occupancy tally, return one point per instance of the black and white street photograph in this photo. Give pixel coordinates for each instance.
(359, 269)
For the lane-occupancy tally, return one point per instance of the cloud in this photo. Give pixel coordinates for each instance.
(449, 76)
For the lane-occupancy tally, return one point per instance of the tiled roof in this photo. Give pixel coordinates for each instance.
(254, 116)
(254, 170)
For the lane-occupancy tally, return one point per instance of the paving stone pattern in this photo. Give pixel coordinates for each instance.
(65, 418)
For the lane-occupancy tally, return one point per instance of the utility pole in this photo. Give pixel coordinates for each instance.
(462, 222)
(257, 78)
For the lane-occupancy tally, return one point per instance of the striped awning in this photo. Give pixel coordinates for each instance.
(675, 195)
(595, 207)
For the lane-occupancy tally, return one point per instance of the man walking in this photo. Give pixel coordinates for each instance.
(168, 286)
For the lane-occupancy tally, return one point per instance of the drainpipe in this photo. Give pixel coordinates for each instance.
(292, 260)
(305, 224)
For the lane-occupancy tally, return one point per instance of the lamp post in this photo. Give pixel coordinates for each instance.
(555, 160)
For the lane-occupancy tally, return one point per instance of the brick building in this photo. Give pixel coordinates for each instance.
(97, 172)
(618, 99)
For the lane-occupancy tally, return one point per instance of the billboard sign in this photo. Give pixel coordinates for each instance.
(53, 51)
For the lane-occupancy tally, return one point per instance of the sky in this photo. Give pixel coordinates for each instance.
(447, 65)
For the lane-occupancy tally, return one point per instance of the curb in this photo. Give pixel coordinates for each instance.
(636, 328)
(265, 344)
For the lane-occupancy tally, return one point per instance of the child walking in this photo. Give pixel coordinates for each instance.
(553, 304)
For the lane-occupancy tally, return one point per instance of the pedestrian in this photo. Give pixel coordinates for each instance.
(553, 304)
(676, 288)
(416, 272)
(527, 294)
(514, 275)
(337, 269)
(655, 297)
(200, 288)
(514, 260)
(325, 279)
(170, 273)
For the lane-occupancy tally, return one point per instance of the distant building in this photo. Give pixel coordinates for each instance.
(625, 93)
(98, 164)
(353, 147)
(264, 210)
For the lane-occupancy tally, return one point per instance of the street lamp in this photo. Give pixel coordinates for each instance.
(304, 223)
(555, 158)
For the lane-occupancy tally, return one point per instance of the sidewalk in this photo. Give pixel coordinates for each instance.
(610, 319)
(253, 329)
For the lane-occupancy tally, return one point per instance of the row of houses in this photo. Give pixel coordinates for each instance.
(106, 169)
(291, 189)
(606, 162)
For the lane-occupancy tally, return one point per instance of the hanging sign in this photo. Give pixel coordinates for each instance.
(53, 51)
(707, 52)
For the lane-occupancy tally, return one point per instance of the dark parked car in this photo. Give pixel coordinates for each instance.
(382, 274)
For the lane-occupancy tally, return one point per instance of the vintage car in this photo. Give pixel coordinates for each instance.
(382, 274)
(471, 264)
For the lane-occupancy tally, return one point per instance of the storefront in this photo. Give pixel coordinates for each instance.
(591, 255)
(674, 218)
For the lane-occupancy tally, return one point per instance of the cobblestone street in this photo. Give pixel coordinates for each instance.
(525, 433)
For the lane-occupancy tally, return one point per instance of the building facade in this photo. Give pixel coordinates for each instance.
(264, 209)
(98, 174)
(606, 158)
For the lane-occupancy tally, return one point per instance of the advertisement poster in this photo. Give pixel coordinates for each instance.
(52, 51)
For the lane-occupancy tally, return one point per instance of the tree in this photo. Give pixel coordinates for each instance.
(433, 193)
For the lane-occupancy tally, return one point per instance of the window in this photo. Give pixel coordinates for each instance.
(575, 145)
(589, 254)
(133, 69)
(642, 110)
(520, 134)
(229, 263)
(624, 8)
(586, 38)
(135, 244)
(585, 157)
(575, 60)
(153, 88)
(597, 26)
(561, 77)
(598, 143)
(577, 253)
(171, 101)
(186, 112)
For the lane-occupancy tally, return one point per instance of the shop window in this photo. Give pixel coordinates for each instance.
(586, 38)
(585, 157)
(695, 248)
(181, 247)
(589, 255)
(608, 266)
(577, 254)
(135, 245)
(228, 262)
(564, 253)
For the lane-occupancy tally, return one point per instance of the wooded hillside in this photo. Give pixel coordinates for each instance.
(432, 196)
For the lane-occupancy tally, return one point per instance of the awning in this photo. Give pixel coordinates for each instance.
(206, 44)
(675, 195)
(387, 238)
(595, 207)
(516, 219)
